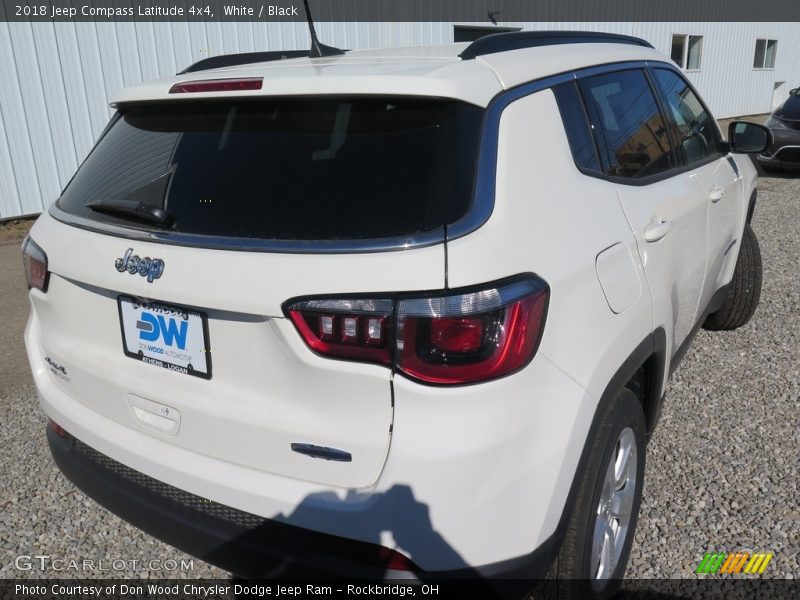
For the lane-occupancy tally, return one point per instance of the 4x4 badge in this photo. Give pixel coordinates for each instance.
(152, 268)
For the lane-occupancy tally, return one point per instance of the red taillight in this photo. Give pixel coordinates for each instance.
(348, 329)
(35, 262)
(457, 335)
(217, 85)
(473, 335)
(447, 338)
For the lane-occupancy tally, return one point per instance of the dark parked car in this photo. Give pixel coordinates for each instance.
(784, 151)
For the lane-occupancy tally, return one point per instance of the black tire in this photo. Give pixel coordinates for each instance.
(745, 290)
(770, 168)
(574, 567)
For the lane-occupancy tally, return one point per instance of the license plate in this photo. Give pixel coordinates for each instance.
(166, 336)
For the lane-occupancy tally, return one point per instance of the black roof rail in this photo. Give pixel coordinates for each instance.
(245, 58)
(502, 42)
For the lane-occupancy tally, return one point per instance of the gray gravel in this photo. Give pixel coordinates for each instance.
(722, 467)
(43, 514)
(14, 370)
(722, 470)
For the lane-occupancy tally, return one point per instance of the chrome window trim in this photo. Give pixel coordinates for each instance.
(479, 212)
(486, 176)
(486, 173)
(420, 240)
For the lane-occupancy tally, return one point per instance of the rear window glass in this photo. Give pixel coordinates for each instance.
(291, 168)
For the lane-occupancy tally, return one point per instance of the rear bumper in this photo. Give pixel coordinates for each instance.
(476, 479)
(242, 543)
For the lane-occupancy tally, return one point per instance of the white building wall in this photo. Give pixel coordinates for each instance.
(55, 78)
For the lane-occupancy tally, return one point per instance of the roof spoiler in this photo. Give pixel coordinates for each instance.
(231, 60)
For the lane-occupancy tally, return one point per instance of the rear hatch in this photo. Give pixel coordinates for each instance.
(176, 245)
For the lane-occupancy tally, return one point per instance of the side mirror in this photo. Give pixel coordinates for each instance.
(748, 138)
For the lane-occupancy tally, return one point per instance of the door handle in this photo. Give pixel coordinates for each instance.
(716, 195)
(657, 230)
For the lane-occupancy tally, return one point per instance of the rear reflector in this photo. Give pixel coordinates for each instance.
(453, 337)
(217, 85)
(57, 429)
(394, 561)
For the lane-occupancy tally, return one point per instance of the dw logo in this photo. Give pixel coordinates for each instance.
(151, 327)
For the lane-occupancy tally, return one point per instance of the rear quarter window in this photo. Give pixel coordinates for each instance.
(576, 126)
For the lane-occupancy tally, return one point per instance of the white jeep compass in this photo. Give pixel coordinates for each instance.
(402, 312)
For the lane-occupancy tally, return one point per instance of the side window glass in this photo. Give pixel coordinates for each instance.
(698, 135)
(632, 132)
(577, 127)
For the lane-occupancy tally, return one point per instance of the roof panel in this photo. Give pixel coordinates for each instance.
(520, 66)
(416, 70)
(424, 71)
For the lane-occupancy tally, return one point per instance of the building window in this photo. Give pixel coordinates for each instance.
(765, 54)
(687, 51)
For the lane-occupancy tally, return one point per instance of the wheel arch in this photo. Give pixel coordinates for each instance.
(751, 207)
(644, 373)
(644, 369)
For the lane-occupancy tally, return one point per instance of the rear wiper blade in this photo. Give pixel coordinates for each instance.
(131, 209)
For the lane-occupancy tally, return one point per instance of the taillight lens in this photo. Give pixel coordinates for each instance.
(349, 329)
(35, 261)
(217, 85)
(455, 337)
(474, 336)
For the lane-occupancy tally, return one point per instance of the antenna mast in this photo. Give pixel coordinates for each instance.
(318, 49)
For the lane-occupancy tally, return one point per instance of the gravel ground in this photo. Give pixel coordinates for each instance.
(42, 513)
(14, 308)
(722, 467)
(722, 470)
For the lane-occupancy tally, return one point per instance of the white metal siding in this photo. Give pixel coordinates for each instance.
(55, 78)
